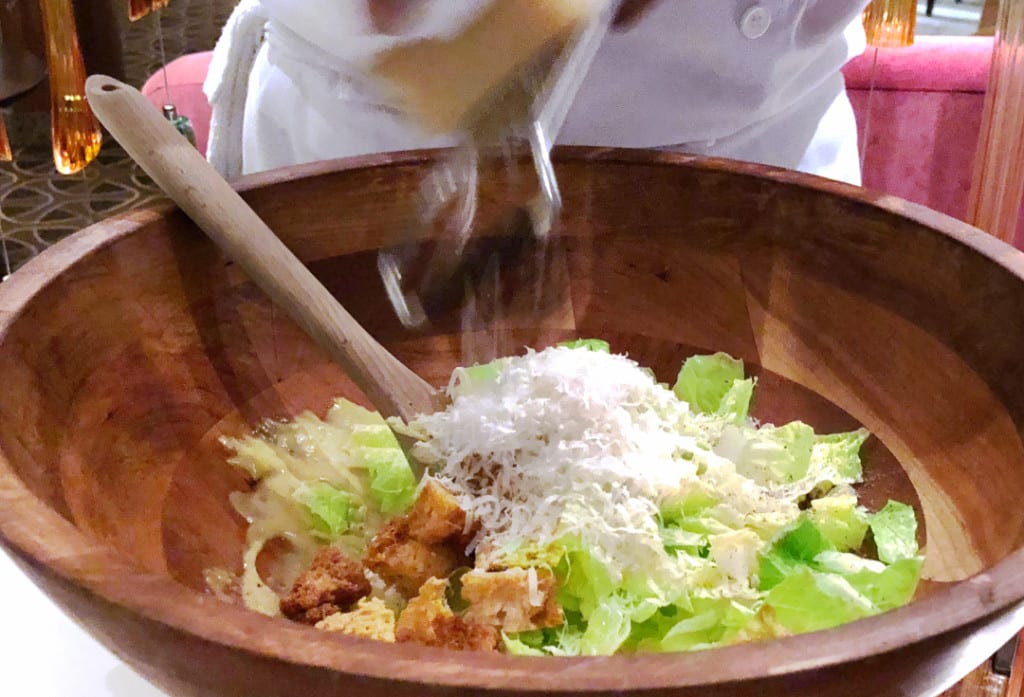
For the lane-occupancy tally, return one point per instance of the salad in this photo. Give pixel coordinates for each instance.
(567, 503)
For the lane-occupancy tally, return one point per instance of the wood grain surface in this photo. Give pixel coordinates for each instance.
(129, 348)
(196, 187)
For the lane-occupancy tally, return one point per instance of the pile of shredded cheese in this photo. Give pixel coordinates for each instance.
(585, 443)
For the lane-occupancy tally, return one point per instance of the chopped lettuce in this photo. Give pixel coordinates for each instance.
(891, 587)
(735, 403)
(840, 520)
(516, 645)
(584, 580)
(895, 532)
(737, 569)
(704, 381)
(770, 454)
(608, 626)
(707, 623)
(330, 510)
(812, 586)
(687, 521)
(588, 344)
(392, 483)
(805, 578)
(807, 601)
(803, 543)
(468, 380)
(795, 550)
(840, 453)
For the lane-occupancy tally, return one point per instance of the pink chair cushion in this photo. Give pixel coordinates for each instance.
(932, 64)
(185, 78)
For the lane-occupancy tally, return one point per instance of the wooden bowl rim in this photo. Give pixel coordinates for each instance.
(46, 543)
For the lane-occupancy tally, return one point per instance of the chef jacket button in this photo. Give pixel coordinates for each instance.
(755, 22)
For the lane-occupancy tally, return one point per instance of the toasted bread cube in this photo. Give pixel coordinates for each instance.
(456, 634)
(428, 620)
(332, 583)
(405, 562)
(371, 618)
(503, 599)
(416, 622)
(436, 516)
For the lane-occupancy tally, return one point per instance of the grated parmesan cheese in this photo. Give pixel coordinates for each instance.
(572, 442)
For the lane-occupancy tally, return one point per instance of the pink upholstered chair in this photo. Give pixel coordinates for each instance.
(925, 119)
(185, 78)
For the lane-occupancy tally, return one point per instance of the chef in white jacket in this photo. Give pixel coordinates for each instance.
(754, 80)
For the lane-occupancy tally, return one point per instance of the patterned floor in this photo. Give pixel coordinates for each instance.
(39, 207)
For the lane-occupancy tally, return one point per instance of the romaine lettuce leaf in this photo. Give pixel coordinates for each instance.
(584, 580)
(519, 644)
(808, 601)
(795, 550)
(839, 453)
(735, 403)
(895, 532)
(704, 381)
(803, 543)
(691, 503)
(392, 483)
(840, 520)
(890, 588)
(711, 622)
(608, 626)
(588, 344)
(469, 379)
(770, 454)
(330, 510)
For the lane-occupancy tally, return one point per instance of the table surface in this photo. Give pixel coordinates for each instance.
(48, 655)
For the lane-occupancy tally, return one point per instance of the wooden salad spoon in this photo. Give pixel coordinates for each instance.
(216, 208)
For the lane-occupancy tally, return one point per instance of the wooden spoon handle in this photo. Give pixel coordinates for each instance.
(192, 183)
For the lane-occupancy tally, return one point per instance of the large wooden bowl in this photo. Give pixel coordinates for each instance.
(126, 350)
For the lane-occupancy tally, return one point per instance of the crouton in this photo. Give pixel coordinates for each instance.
(457, 634)
(502, 599)
(428, 620)
(416, 622)
(405, 562)
(371, 618)
(331, 584)
(436, 515)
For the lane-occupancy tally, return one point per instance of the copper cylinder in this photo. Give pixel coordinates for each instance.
(75, 132)
(890, 23)
(137, 9)
(997, 191)
(6, 154)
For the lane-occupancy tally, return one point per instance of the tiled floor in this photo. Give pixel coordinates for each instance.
(39, 206)
(949, 17)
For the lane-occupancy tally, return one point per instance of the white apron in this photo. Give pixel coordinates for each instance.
(755, 80)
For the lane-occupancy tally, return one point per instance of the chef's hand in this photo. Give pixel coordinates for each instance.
(630, 12)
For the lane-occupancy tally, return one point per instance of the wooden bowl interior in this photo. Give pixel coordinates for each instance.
(131, 363)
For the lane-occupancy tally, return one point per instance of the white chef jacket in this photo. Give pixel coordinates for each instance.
(755, 80)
